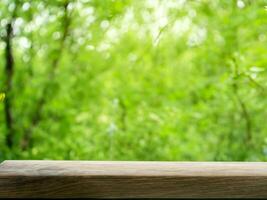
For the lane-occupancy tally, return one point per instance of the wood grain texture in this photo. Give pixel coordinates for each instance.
(96, 179)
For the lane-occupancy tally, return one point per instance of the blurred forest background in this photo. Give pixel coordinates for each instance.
(133, 79)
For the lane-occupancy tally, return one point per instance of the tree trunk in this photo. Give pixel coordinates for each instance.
(9, 69)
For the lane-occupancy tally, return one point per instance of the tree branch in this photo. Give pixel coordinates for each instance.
(244, 110)
(37, 117)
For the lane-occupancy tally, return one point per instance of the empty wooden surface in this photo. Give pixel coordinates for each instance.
(94, 179)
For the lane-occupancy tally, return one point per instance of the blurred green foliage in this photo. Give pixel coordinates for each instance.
(2, 96)
(136, 80)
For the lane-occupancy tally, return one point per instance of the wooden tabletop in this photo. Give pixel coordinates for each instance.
(103, 179)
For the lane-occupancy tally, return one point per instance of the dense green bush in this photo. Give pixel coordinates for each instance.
(134, 80)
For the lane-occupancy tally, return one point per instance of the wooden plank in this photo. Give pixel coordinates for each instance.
(96, 179)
